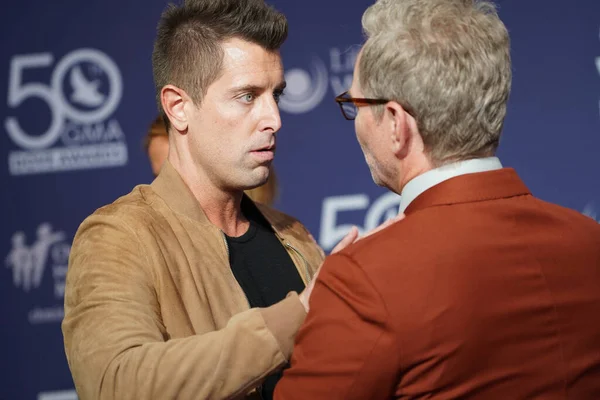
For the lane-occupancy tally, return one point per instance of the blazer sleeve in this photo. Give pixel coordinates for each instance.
(345, 349)
(118, 348)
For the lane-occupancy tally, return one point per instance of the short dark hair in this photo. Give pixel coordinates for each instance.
(187, 50)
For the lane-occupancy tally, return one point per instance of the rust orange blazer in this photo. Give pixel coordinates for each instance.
(481, 292)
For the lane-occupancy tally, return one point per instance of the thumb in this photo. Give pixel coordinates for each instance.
(347, 240)
(387, 223)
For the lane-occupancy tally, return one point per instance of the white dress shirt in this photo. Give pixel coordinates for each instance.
(438, 175)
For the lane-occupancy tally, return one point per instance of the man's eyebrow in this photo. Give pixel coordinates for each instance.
(246, 88)
(255, 88)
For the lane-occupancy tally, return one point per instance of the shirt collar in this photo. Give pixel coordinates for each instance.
(429, 179)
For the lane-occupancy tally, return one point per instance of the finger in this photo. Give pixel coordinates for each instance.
(347, 240)
(387, 223)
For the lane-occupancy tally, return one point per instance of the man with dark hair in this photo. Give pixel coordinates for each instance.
(186, 289)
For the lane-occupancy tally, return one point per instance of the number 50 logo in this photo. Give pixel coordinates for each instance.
(98, 106)
(382, 209)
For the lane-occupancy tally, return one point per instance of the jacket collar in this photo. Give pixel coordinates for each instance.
(173, 190)
(177, 195)
(469, 188)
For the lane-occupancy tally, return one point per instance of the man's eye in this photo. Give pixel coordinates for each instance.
(248, 97)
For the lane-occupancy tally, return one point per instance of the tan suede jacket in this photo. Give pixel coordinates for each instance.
(153, 311)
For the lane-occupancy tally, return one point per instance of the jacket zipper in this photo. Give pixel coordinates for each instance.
(306, 267)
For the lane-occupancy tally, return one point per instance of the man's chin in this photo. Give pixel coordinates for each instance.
(259, 179)
(380, 182)
(254, 186)
(377, 181)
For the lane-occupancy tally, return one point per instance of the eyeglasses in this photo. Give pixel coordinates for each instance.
(349, 105)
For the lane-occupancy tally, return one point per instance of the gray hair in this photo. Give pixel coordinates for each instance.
(448, 62)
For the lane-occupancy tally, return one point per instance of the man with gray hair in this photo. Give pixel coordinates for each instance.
(483, 291)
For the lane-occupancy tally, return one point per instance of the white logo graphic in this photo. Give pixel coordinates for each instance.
(61, 395)
(591, 212)
(305, 91)
(28, 264)
(85, 90)
(384, 208)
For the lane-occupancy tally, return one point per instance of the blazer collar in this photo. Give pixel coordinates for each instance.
(469, 188)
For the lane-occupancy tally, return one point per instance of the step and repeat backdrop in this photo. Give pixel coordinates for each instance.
(76, 98)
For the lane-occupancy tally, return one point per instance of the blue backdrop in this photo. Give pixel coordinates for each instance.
(77, 98)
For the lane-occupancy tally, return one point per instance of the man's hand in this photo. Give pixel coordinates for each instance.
(351, 237)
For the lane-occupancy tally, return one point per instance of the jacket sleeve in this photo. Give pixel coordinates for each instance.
(118, 348)
(346, 348)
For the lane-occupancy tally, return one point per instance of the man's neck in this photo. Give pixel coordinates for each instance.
(411, 169)
(222, 208)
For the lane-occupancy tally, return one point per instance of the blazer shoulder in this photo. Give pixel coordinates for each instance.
(575, 220)
(401, 233)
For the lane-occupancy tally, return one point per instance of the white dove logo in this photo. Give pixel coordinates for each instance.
(85, 92)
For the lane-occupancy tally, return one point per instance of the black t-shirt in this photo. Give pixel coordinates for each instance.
(263, 268)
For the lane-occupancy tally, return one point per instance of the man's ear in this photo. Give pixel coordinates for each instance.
(173, 100)
(397, 120)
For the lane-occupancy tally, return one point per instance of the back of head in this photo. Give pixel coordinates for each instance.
(448, 61)
(187, 50)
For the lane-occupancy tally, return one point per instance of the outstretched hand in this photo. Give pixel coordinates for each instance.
(351, 237)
